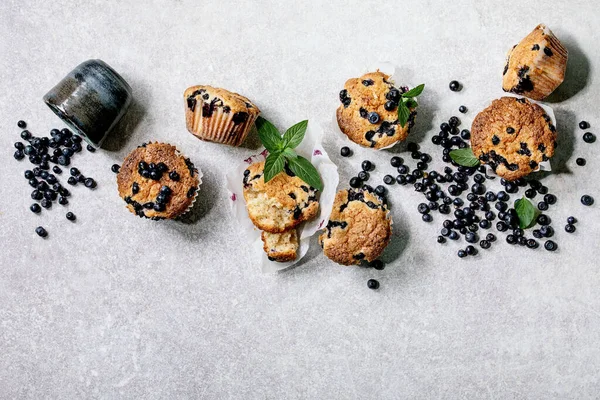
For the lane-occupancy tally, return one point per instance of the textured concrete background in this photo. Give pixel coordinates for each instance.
(116, 307)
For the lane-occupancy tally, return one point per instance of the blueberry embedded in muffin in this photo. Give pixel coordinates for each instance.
(359, 227)
(280, 247)
(282, 203)
(536, 66)
(368, 114)
(218, 115)
(157, 182)
(513, 136)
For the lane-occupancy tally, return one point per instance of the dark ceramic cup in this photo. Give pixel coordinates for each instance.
(91, 99)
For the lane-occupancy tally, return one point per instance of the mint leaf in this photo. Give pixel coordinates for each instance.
(289, 153)
(294, 135)
(414, 92)
(526, 212)
(464, 157)
(403, 114)
(269, 135)
(273, 165)
(306, 171)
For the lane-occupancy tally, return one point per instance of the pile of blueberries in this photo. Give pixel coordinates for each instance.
(57, 149)
(483, 208)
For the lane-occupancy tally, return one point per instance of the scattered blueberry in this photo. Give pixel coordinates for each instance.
(388, 179)
(35, 207)
(115, 168)
(571, 220)
(587, 200)
(584, 125)
(589, 137)
(580, 161)
(373, 284)
(70, 216)
(454, 86)
(355, 182)
(550, 245)
(462, 109)
(90, 183)
(367, 165)
(22, 124)
(344, 152)
(570, 228)
(90, 148)
(41, 231)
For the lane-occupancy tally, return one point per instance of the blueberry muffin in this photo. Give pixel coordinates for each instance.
(513, 136)
(280, 204)
(218, 115)
(280, 247)
(535, 66)
(368, 114)
(157, 182)
(359, 227)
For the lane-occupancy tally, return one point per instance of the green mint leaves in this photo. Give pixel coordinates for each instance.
(281, 152)
(407, 102)
(464, 157)
(526, 212)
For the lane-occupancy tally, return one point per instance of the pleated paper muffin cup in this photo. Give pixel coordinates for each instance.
(220, 127)
(546, 70)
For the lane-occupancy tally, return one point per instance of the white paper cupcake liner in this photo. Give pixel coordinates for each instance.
(219, 127)
(310, 148)
(386, 68)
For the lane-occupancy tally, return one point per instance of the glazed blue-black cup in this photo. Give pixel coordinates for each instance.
(91, 99)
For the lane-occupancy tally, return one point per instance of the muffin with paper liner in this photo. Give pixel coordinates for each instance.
(536, 66)
(218, 115)
(158, 182)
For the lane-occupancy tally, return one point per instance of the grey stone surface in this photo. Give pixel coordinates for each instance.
(116, 307)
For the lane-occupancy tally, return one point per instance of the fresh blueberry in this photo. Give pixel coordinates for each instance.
(355, 182)
(462, 109)
(580, 161)
(367, 165)
(571, 220)
(461, 253)
(388, 179)
(550, 245)
(363, 176)
(454, 86)
(589, 137)
(570, 228)
(41, 231)
(70, 216)
(373, 284)
(550, 199)
(22, 124)
(90, 183)
(587, 200)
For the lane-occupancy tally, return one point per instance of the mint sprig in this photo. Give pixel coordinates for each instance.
(281, 152)
(407, 102)
(464, 157)
(526, 212)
